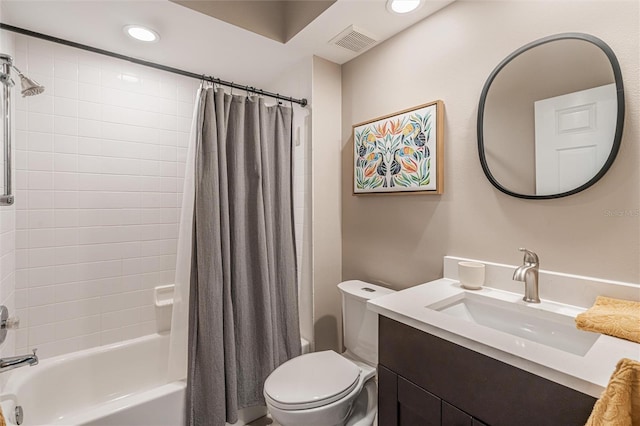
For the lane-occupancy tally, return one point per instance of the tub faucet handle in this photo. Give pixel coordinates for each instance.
(10, 323)
(6, 321)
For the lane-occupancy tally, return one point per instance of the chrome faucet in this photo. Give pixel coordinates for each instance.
(12, 362)
(528, 273)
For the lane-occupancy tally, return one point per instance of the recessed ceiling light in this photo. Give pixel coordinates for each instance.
(141, 33)
(403, 6)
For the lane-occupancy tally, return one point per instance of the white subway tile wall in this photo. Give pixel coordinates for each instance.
(99, 174)
(7, 229)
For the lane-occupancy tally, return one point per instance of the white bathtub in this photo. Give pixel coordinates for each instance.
(123, 384)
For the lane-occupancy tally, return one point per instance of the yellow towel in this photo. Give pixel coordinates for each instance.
(2, 421)
(615, 317)
(619, 404)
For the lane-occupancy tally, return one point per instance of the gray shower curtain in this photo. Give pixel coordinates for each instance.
(243, 305)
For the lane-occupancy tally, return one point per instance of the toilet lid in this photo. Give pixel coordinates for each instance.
(311, 380)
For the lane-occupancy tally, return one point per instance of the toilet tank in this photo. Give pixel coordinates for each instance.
(360, 325)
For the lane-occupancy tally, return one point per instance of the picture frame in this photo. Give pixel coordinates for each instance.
(400, 153)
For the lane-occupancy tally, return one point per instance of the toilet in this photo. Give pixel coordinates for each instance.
(327, 388)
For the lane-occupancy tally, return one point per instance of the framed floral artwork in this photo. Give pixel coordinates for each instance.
(400, 153)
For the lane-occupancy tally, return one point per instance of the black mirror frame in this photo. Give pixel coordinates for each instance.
(619, 122)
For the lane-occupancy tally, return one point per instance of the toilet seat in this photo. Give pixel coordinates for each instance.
(311, 381)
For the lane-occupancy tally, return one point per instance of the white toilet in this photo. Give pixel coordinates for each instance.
(327, 388)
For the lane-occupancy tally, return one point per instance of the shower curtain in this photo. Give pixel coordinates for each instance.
(243, 307)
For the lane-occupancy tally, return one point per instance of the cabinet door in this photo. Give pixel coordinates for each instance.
(452, 416)
(416, 406)
(387, 397)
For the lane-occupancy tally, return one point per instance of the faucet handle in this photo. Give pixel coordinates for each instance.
(529, 256)
(10, 323)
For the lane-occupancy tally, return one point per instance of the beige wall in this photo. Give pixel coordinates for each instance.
(325, 153)
(400, 240)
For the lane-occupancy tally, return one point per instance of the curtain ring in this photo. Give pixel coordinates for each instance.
(232, 88)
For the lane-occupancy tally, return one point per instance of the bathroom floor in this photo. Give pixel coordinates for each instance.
(264, 421)
(268, 421)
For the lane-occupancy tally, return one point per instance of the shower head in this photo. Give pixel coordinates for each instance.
(29, 87)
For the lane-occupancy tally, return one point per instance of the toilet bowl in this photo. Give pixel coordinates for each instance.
(330, 389)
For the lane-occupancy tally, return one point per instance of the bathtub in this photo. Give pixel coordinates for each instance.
(94, 387)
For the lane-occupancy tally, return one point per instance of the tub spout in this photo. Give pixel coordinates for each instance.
(9, 363)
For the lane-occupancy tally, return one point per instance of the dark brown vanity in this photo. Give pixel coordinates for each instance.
(424, 380)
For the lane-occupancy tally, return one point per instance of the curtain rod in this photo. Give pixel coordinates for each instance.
(302, 102)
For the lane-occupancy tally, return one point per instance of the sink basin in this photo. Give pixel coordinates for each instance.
(536, 323)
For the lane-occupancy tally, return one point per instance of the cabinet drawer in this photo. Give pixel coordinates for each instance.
(416, 406)
(488, 389)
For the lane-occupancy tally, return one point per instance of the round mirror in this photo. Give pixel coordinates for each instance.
(550, 117)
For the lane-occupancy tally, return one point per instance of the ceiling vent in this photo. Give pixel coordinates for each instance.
(354, 39)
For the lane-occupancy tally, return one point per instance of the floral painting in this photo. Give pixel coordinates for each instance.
(400, 152)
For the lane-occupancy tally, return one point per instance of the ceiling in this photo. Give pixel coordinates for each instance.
(195, 42)
(279, 20)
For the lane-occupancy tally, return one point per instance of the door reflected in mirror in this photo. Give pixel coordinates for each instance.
(550, 117)
(573, 138)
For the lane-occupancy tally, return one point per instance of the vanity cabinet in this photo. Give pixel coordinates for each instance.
(425, 380)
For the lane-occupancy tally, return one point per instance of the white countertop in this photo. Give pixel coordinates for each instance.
(589, 373)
